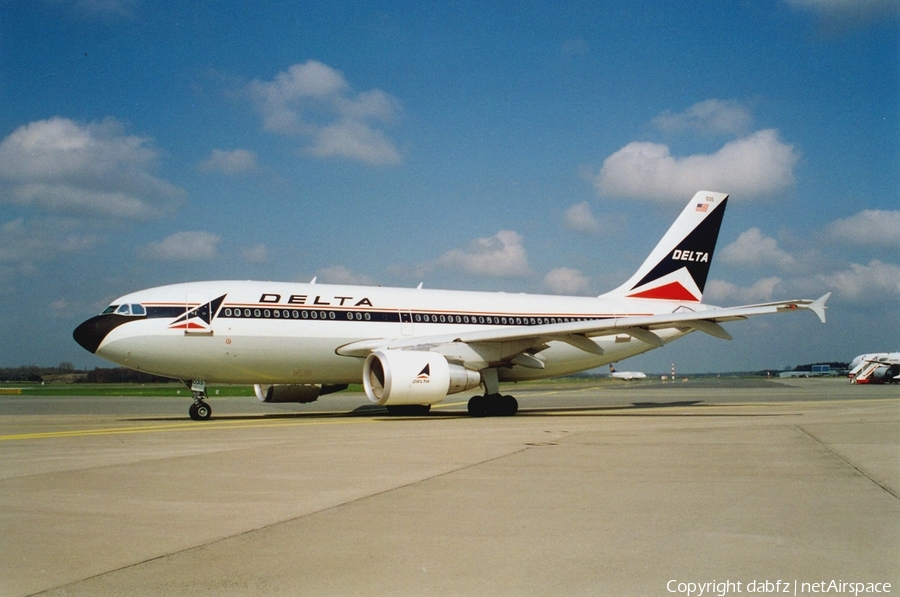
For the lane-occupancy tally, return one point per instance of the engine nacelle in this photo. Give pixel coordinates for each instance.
(302, 393)
(885, 373)
(414, 377)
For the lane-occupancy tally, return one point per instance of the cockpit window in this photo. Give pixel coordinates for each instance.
(132, 309)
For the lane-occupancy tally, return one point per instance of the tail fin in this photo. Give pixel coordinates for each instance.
(677, 268)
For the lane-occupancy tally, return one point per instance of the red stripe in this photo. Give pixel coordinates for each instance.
(673, 291)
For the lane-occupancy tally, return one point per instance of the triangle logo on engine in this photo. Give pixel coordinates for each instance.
(425, 373)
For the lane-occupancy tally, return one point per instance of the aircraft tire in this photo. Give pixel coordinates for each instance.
(501, 406)
(200, 411)
(477, 406)
(494, 405)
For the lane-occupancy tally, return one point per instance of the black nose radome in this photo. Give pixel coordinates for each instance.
(92, 332)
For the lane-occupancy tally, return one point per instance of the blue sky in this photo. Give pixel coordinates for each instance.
(516, 146)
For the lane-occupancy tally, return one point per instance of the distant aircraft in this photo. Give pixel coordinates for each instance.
(628, 375)
(875, 367)
(413, 347)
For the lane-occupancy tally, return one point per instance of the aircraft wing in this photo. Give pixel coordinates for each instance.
(578, 333)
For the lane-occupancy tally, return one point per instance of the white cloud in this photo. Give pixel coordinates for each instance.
(314, 101)
(355, 140)
(60, 166)
(843, 14)
(340, 274)
(752, 249)
(256, 254)
(759, 164)
(580, 218)
(566, 280)
(712, 116)
(873, 227)
(866, 283)
(23, 243)
(719, 291)
(501, 255)
(237, 161)
(61, 308)
(182, 246)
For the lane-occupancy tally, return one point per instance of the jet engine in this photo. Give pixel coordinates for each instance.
(294, 392)
(394, 377)
(885, 373)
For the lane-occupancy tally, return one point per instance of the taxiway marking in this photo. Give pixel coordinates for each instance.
(217, 425)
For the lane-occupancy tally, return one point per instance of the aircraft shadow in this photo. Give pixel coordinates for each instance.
(368, 411)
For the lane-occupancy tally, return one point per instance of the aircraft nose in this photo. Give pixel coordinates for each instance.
(92, 332)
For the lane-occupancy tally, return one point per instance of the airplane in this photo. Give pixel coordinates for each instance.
(875, 367)
(411, 348)
(626, 375)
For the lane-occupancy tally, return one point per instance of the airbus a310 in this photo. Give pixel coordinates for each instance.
(411, 348)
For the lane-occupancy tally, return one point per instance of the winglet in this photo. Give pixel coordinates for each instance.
(818, 306)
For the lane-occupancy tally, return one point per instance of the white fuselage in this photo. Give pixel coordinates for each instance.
(287, 333)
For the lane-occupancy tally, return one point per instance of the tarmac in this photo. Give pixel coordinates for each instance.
(687, 488)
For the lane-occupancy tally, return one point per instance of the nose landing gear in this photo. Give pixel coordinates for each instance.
(199, 410)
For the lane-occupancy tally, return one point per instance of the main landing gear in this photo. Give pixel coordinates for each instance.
(199, 410)
(492, 403)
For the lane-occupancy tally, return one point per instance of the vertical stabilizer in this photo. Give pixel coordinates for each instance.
(677, 268)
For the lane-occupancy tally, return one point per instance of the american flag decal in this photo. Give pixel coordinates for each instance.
(702, 207)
